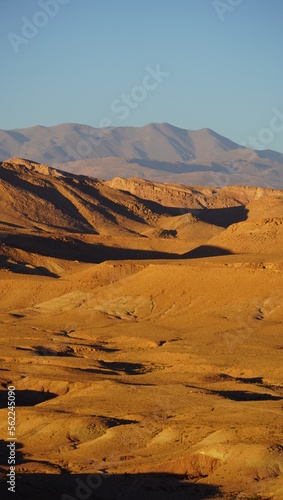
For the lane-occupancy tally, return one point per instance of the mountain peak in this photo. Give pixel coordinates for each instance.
(156, 151)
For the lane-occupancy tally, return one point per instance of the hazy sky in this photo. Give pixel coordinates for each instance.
(192, 63)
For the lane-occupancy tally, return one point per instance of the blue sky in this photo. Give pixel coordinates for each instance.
(132, 62)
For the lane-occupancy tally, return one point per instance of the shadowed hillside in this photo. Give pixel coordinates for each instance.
(141, 326)
(52, 214)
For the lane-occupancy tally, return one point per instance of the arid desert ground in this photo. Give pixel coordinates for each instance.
(141, 325)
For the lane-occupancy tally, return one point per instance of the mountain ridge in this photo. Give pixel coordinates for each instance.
(49, 214)
(159, 152)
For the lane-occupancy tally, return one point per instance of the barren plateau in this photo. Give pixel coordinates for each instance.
(141, 325)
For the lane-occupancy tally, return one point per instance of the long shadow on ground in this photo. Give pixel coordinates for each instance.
(27, 398)
(238, 395)
(246, 396)
(223, 217)
(74, 249)
(24, 268)
(65, 486)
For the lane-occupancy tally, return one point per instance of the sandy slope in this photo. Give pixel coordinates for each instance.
(162, 373)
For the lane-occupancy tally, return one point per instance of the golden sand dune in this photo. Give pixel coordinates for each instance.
(141, 325)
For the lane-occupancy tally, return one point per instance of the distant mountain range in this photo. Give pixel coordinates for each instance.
(158, 152)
